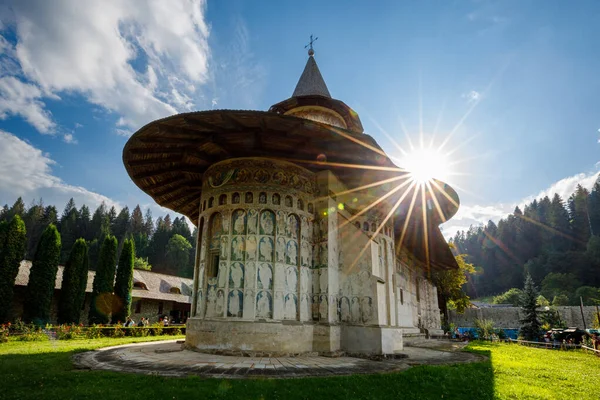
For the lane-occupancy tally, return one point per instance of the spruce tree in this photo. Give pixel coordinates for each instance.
(74, 282)
(101, 304)
(530, 324)
(42, 277)
(13, 242)
(124, 282)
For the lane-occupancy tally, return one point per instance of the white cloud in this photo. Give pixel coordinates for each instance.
(468, 215)
(472, 96)
(24, 99)
(68, 138)
(27, 172)
(91, 48)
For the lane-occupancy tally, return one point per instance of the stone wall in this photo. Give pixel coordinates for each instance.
(509, 317)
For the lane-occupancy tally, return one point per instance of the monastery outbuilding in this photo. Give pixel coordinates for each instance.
(310, 238)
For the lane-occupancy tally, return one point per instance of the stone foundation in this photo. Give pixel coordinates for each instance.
(290, 338)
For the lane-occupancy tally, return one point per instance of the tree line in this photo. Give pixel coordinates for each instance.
(163, 245)
(556, 242)
(110, 297)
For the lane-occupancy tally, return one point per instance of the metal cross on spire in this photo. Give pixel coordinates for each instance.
(311, 52)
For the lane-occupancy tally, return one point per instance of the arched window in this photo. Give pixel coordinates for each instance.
(366, 226)
(262, 198)
(140, 285)
(210, 202)
(276, 200)
(222, 199)
(300, 204)
(289, 201)
(175, 290)
(310, 207)
(249, 199)
(235, 199)
(373, 227)
(204, 205)
(214, 247)
(357, 224)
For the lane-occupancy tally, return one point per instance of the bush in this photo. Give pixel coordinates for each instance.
(118, 332)
(511, 296)
(484, 328)
(93, 332)
(560, 300)
(68, 332)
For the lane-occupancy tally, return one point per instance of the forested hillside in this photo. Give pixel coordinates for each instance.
(164, 245)
(557, 242)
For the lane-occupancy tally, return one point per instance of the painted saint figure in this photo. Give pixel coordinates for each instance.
(266, 249)
(237, 275)
(220, 306)
(265, 276)
(263, 305)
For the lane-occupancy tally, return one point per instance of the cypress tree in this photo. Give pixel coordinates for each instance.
(13, 242)
(124, 282)
(530, 325)
(42, 277)
(101, 304)
(74, 282)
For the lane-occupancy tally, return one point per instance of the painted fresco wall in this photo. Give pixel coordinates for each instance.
(259, 217)
(289, 250)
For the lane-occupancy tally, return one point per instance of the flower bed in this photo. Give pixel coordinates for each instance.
(30, 332)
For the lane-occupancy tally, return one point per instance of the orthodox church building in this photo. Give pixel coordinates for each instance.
(309, 238)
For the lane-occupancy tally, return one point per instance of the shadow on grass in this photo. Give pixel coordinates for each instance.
(51, 375)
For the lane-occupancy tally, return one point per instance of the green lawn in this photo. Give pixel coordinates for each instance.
(34, 370)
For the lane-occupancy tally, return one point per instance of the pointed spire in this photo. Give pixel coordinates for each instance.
(311, 82)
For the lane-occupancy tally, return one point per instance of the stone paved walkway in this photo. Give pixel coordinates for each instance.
(169, 359)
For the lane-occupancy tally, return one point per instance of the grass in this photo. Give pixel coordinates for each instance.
(33, 370)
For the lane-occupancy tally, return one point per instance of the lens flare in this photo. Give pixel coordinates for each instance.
(425, 164)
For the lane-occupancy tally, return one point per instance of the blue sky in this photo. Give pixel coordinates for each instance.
(513, 84)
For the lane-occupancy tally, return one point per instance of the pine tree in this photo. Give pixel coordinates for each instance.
(580, 221)
(101, 304)
(530, 324)
(34, 223)
(42, 277)
(137, 221)
(18, 208)
(74, 282)
(124, 283)
(68, 229)
(13, 244)
(98, 219)
(84, 223)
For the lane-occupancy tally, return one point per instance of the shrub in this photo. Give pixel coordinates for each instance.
(101, 304)
(560, 300)
(13, 243)
(118, 332)
(68, 332)
(124, 282)
(156, 329)
(74, 282)
(4, 330)
(511, 296)
(42, 277)
(93, 332)
(484, 328)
